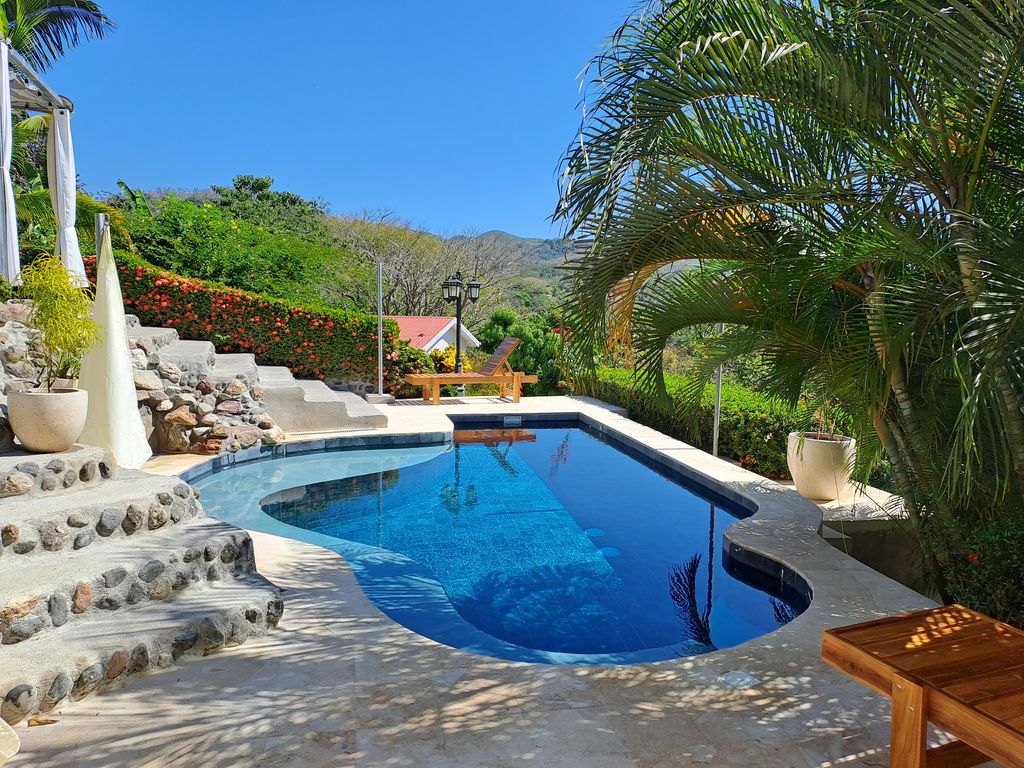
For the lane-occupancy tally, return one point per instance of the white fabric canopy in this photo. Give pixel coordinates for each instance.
(113, 422)
(60, 165)
(10, 261)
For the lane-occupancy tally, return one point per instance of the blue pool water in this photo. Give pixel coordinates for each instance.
(546, 544)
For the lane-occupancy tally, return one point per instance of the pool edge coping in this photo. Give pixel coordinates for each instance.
(779, 539)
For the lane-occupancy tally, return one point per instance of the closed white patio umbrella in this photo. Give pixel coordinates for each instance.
(113, 422)
(60, 165)
(10, 261)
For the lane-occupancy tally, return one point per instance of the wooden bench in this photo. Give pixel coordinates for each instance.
(495, 371)
(952, 667)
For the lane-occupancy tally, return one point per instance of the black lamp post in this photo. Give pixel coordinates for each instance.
(455, 288)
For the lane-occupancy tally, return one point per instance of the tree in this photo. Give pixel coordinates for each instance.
(44, 30)
(416, 262)
(847, 174)
(538, 351)
(250, 198)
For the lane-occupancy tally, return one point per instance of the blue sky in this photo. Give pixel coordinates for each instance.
(453, 113)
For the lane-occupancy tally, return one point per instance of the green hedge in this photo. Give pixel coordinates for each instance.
(202, 241)
(753, 431)
(313, 343)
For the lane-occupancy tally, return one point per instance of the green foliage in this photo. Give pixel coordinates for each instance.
(61, 314)
(43, 30)
(984, 562)
(6, 292)
(754, 427)
(867, 245)
(251, 199)
(537, 354)
(404, 360)
(316, 342)
(201, 241)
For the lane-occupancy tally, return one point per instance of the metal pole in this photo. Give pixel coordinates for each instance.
(718, 402)
(380, 328)
(458, 334)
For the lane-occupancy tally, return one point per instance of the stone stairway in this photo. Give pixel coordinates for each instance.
(296, 405)
(109, 572)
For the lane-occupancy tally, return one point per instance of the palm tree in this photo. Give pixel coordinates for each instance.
(847, 175)
(44, 30)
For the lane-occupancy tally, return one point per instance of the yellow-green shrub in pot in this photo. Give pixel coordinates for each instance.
(820, 463)
(51, 418)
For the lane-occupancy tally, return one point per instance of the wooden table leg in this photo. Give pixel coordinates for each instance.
(909, 725)
(516, 389)
(437, 392)
(426, 393)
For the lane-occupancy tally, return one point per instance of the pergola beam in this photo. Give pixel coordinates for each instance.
(30, 91)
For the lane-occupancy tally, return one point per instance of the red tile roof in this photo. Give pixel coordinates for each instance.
(420, 330)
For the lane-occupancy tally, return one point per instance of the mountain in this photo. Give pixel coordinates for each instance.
(533, 280)
(538, 256)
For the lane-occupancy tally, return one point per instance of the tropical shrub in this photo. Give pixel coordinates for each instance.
(203, 241)
(314, 342)
(404, 360)
(444, 360)
(537, 354)
(867, 243)
(62, 316)
(754, 427)
(983, 563)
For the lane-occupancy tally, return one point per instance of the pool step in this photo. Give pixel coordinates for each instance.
(81, 658)
(82, 585)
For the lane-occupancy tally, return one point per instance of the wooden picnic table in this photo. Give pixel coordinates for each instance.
(953, 667)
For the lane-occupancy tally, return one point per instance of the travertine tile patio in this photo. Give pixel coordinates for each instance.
(340, 684)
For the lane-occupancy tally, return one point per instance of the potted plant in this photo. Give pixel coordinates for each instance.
(821, 462)
(51, 417)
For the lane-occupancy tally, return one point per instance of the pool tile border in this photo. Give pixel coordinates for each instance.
(780, 539)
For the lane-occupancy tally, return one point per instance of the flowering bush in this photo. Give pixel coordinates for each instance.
(444, 360)
(314, 343)
(982, 561)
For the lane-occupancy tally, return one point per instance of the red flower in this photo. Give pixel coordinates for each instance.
(973, 558)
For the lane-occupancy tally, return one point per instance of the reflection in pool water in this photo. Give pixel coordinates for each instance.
(552, 540)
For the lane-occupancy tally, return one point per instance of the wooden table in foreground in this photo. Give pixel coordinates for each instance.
(955, 668)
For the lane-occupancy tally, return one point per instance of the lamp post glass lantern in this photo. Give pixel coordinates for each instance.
(455, 288)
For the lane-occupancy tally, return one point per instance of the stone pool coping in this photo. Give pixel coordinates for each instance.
(340, 684)
(780, 539)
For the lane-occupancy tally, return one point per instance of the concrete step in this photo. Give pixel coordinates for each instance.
(362, 412)
(275, 376)
(151, 339)
(84, 583)
(133, 504)
(80, 658)
(312, 406)
(237, 365)
(24, 474)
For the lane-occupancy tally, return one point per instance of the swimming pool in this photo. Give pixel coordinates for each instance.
(539, 544)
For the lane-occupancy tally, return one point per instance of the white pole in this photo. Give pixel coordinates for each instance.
(718, 402)
(101, 224)
(380, 328)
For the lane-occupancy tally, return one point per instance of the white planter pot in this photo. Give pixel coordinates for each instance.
(47, 422)
(820, 463)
